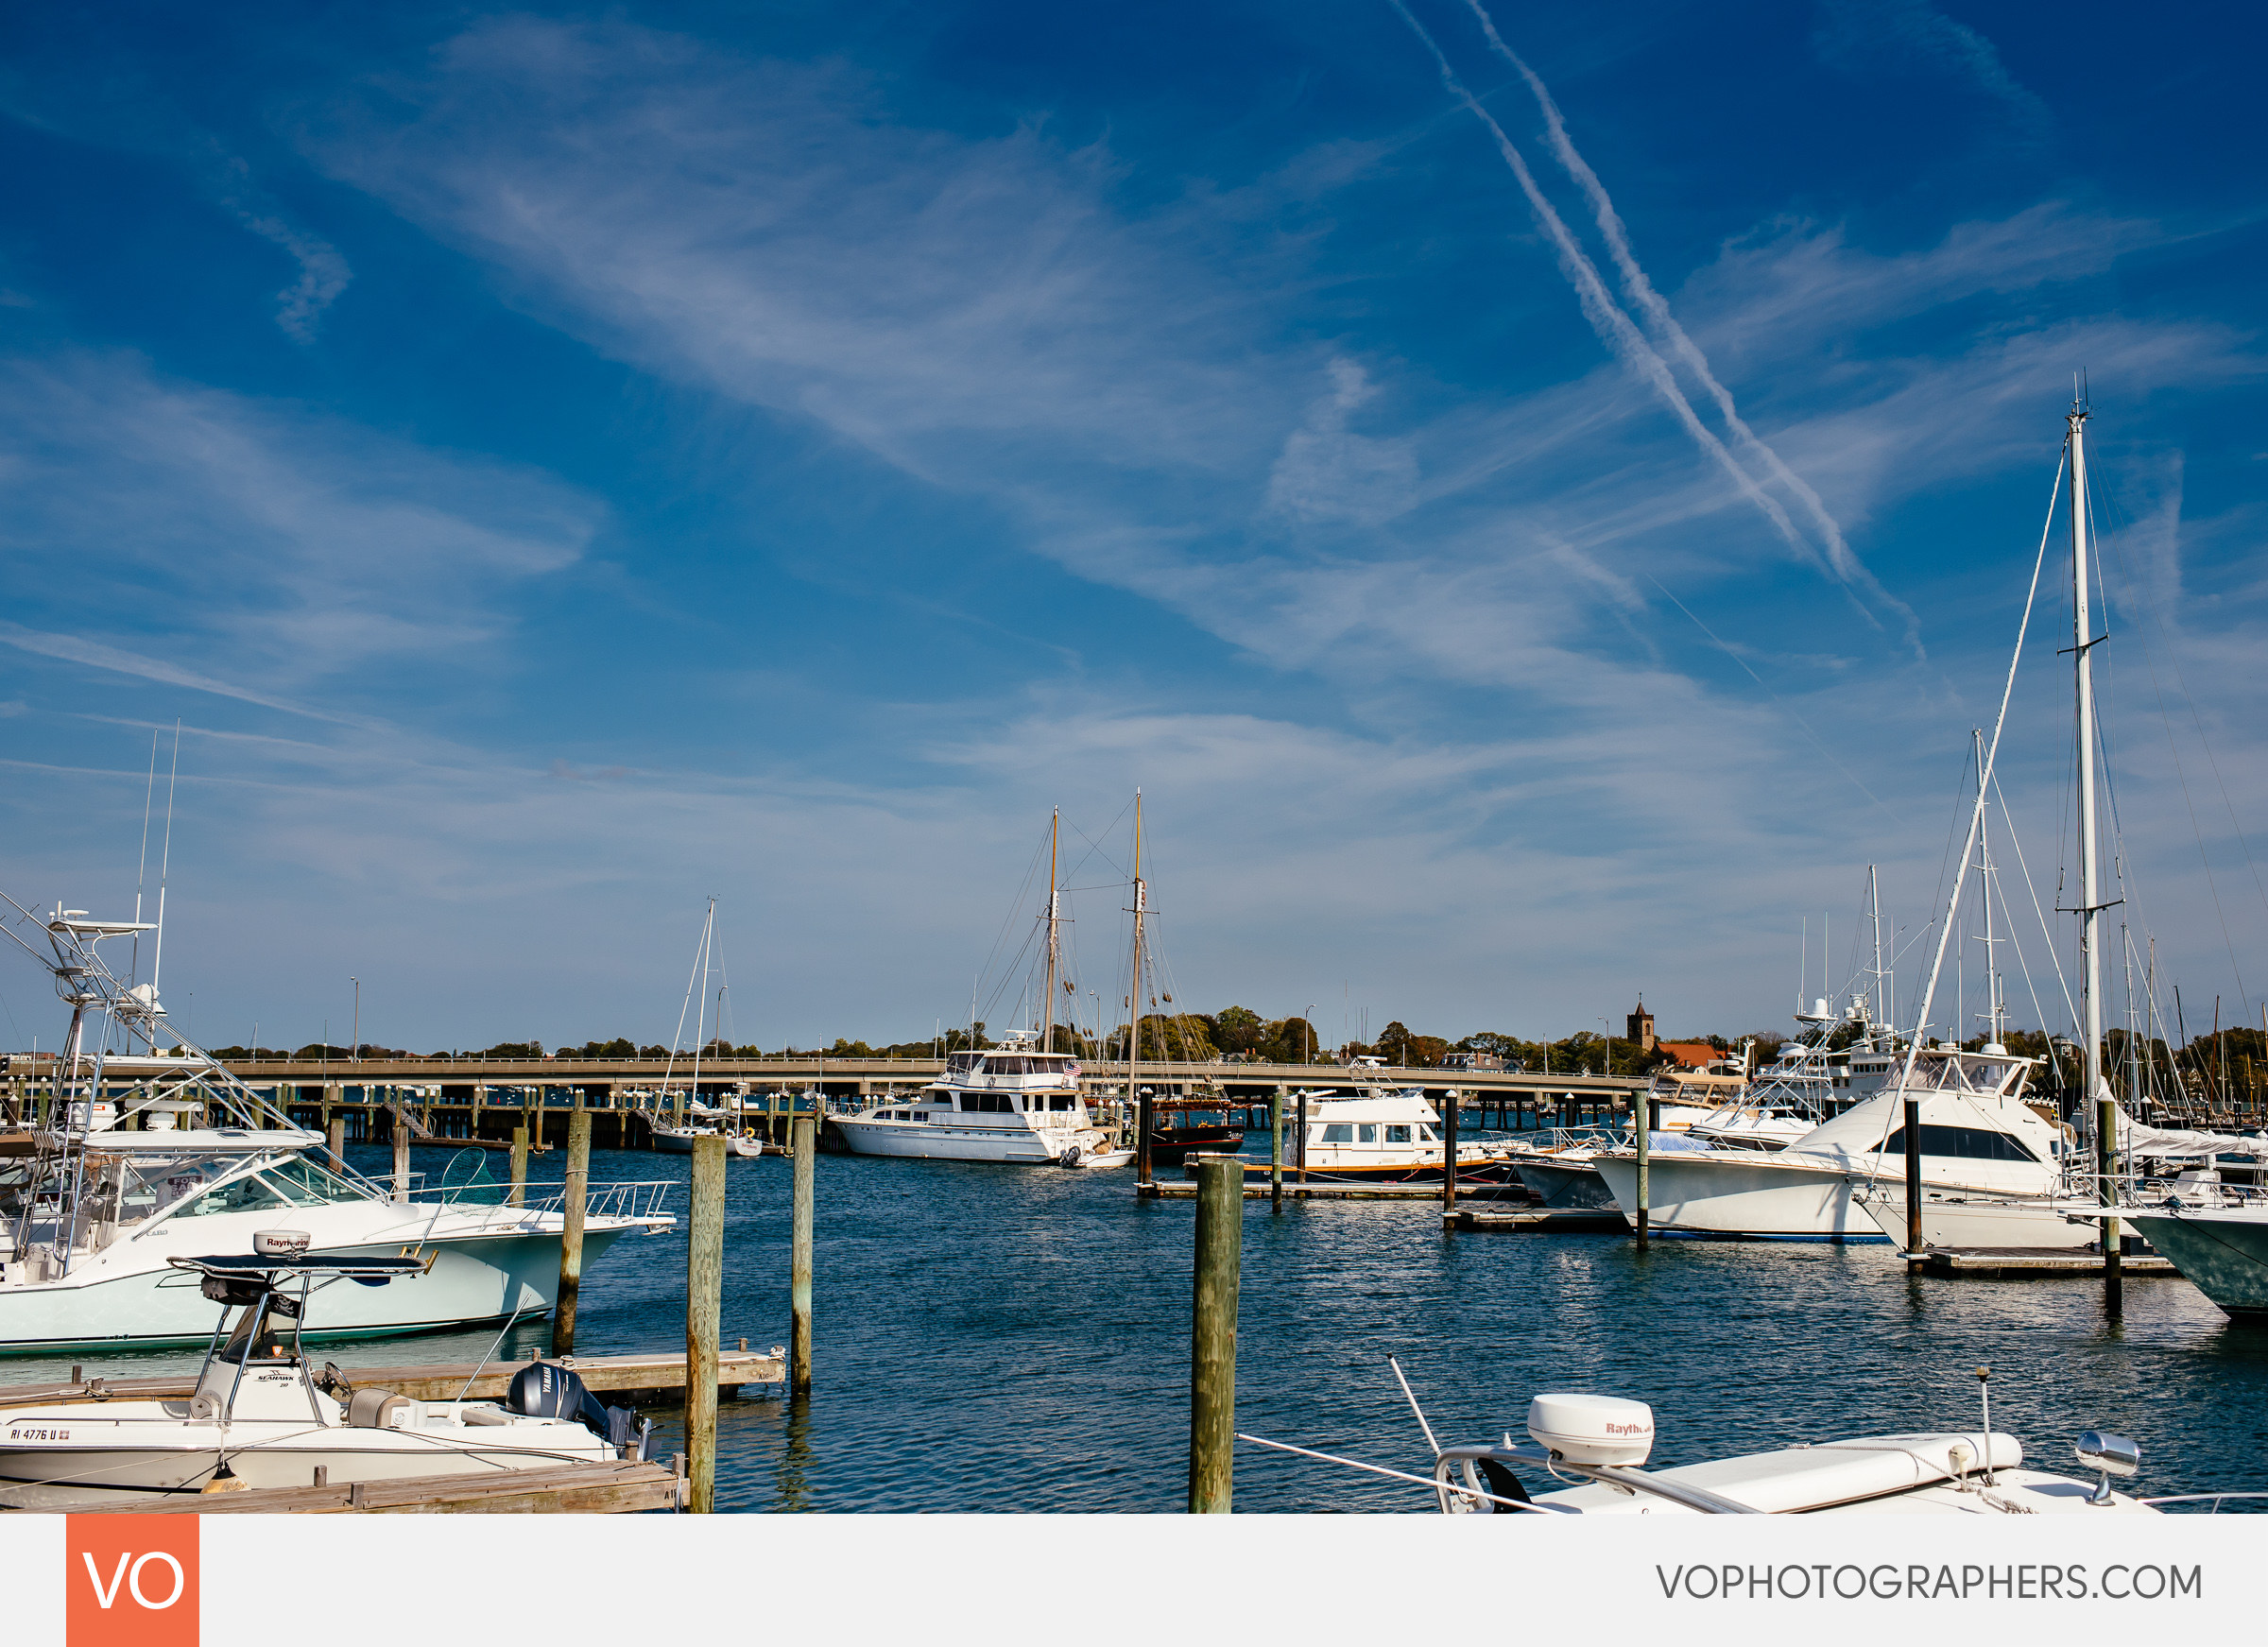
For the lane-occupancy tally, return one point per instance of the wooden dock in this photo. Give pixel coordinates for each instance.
(1540, 1221)
(656, 1379)
(2017, 1264)
(614, 1487)
(1163, 1190)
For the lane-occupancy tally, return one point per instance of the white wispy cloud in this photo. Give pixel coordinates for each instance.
(308, 546)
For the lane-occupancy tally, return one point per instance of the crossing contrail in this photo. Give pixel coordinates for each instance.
(1650, 303)
(1622, 336)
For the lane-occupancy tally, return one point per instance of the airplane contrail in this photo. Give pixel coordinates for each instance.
(1664, 325)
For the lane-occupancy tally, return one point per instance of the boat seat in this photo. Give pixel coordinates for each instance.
(381, 1410)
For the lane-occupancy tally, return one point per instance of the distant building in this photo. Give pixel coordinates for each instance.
(1689, 1054)
(1641, 1028)
(1472, 1061)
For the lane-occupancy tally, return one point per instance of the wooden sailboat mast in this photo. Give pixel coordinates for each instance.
(1047, 1023)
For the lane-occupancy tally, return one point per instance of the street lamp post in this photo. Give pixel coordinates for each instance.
(1606, 1068)
(1308, 1020)
(355, 1052)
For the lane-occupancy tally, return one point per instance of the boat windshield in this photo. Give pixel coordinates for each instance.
(279, 1186)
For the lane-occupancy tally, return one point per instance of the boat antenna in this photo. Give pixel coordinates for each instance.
(1976, 816)
(492, 1349)
(166, 859)
(150, 790)
(1408, 1396)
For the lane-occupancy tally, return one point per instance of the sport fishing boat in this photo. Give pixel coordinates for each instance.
(262, 1416)
(1977, 1137)
(1010, 1104)
(1594, 1448)
(92, 1214)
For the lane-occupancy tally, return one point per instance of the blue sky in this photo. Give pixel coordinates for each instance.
(558, 465)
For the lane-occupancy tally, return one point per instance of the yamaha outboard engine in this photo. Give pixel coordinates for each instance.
(543, 1390)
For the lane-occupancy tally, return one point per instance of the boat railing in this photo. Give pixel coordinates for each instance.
(2215, 1499)
(639, 1198)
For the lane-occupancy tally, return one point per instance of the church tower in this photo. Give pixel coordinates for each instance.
(1641, 1028)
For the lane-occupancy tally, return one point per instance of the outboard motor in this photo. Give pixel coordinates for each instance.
(545, 1390)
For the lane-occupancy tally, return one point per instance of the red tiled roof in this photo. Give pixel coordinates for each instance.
(1694, 1055)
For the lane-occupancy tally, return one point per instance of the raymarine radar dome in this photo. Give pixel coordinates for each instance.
(1592, 1428)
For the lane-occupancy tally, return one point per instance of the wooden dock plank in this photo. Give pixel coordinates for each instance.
(2017, 1264)
(616, 1375)
(610, 1488)
(1541, 1221)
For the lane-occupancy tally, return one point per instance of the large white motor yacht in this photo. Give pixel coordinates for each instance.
(1978, 1136)
(1010, 1105)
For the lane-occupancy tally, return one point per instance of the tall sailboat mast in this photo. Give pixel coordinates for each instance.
(2083, 644)
(1047, 1023)
(1992, 1013)
(1134, 1100)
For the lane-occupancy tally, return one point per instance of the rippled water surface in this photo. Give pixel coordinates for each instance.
(1018, 1339)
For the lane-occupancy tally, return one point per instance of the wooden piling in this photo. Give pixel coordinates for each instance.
(1213, 1334)
(805, 1130)
(571, 1242)
(1276, 1152)
(1303, 1140)
(1913, 1239)
(1642, 1118)
(2106, 1153)
(337, 1137)
(1449, 1154)
(401, 1131)
(518, 1192)
(704, 1308)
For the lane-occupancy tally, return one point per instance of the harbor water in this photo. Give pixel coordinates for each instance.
(1017, 1338)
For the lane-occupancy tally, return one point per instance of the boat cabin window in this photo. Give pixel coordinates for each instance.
(1428, 1134)
(1966, 1143)
(961, 1063)
(991, 1102)
(251, 1194)
(1338, 1132)
(1370, 1135)
(1398, 1135)
(1062, 1101)
(999, 1064)
(306, 1181)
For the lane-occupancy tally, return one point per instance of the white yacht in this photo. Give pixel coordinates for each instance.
(261, 1417)
(1011, 1105)
(1386, 1134)
(93, 1224)
(94, 1210)
(1977, 1137)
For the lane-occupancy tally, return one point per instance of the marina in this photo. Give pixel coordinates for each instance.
(1331, 1287)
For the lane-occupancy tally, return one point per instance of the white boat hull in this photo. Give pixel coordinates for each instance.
(1745, 1195)
(131, 1298)
(1970, 1222)
(931, 1141)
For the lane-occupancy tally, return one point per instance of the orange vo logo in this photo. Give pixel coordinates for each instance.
(131, 1581)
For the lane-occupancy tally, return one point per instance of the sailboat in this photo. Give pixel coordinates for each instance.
(680, 1134)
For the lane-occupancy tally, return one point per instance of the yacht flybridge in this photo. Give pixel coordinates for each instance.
(98, 1204)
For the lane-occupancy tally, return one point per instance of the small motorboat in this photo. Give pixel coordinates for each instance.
(1591, 1447)
(261, 1417)
(1106, 1155)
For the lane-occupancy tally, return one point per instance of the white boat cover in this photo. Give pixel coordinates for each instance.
(1813, 1478)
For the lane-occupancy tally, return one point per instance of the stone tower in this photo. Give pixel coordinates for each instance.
(1641, 1028)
